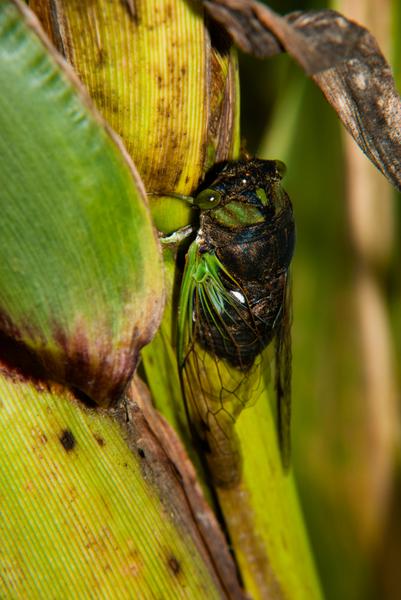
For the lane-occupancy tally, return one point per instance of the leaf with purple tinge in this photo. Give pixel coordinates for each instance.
(81, 283)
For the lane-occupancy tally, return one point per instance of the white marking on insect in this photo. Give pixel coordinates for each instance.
(199, 237)
(238, 296)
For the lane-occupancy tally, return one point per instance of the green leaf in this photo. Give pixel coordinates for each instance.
(80, 269)
(78, 517)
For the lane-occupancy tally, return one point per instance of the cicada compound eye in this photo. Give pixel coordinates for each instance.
(208, 198)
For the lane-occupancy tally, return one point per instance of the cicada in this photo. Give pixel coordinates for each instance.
(234, 301)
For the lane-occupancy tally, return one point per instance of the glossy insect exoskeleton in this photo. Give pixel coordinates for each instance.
(234, 301)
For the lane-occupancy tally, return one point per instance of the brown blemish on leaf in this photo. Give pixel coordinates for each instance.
(99, 370)
(100, 440)
(104, 101)
(47, 15)
(132, 10)
(174, 565)
(342, 58)
(19, 362)
(222, 96)
(67, 440)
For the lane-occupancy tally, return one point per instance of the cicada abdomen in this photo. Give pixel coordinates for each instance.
(233, 303)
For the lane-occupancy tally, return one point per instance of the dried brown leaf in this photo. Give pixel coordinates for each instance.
(344, 60)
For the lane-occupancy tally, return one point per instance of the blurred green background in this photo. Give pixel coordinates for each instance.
(346, 314)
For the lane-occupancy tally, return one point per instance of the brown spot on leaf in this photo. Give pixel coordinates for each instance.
(100, 440)
(67, 440)
(132, 10)
(174, 565)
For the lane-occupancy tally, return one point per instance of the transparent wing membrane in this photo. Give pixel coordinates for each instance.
(216, 392)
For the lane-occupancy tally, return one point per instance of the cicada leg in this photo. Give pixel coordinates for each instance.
(176, 237)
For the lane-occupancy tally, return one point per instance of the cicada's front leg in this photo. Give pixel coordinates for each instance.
(175, 238)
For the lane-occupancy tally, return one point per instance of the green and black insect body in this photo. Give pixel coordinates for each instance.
(234, 301)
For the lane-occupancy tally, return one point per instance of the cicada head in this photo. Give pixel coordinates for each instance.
(245, 193)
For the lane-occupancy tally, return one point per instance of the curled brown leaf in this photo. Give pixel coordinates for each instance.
(344, 60)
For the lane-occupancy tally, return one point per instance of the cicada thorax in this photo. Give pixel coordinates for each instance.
(232, 300)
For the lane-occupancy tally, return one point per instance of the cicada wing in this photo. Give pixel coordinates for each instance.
(283, 358)
(208, 407)
(215, 391)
